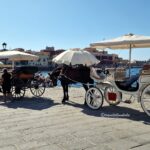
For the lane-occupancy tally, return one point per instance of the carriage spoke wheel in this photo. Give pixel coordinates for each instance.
(17, 89)
(18, 92)
(112, 96)
(37, 88)
(145, 99)
(94, 98)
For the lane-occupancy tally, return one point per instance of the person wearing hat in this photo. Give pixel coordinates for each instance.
(6, 83)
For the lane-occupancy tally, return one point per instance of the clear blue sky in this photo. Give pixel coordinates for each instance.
(34, 24)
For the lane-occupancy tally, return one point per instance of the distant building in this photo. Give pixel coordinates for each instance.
(103, 56)
(51, 52)
(42, 61)
(148, 61)
(45, 56)
(138, 63)
(19, 49)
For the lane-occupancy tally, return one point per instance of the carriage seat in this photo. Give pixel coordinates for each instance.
(127, 84)
(146, 70)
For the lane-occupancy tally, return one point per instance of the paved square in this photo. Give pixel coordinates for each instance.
(46, 124)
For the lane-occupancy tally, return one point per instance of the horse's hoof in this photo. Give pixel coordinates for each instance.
(63, 101)
(67, 98)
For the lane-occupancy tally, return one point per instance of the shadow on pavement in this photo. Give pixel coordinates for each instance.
(34, 103)
(113, 112)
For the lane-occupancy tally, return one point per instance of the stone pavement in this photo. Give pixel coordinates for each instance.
(46, 124)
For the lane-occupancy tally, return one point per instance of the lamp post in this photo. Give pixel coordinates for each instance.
(4, 49)
(4, 46)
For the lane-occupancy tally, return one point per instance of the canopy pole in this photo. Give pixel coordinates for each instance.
(130, 61)
(13, 64)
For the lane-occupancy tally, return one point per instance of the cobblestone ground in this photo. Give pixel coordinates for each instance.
(46, 124)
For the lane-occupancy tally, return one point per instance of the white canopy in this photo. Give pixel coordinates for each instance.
(124, 42)
(17, 56)
(76, 56)
(127, 41)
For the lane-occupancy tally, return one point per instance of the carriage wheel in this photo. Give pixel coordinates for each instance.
(37, 88)
(17, 89)
(17, 92)
(145, 99)
(112, 96)
(94, 98)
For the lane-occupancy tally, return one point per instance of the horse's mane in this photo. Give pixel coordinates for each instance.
(56, 71)
(66, 70)
(78, 67)
(75, 72)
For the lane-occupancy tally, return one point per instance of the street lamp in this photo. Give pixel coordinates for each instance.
(4, 46)
(4, 49)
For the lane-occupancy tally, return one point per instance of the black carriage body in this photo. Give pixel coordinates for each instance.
(24, 73)
(25, 70)
(24, 78)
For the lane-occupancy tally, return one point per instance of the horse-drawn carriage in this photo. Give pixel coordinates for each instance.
(24, 78)
(112, 90)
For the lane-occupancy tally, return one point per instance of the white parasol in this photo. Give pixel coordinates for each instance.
(75, 57)
(127, 41)
(17, 56)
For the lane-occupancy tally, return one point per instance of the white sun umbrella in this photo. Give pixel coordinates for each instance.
(127, 41)
(17, 56)
(76, 57)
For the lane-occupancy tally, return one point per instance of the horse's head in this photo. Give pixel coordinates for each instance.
(54, 76)
(53, 79)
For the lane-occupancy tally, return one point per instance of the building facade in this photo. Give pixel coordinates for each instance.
(109, 60)
(42, 61)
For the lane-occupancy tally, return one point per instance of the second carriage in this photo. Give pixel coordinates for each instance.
(112, 90)
(24, 78)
